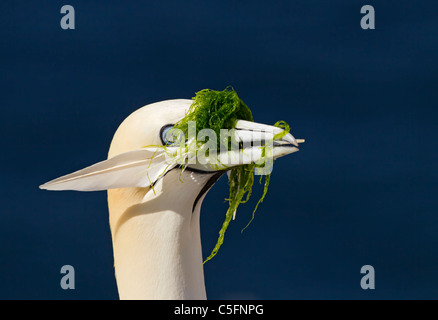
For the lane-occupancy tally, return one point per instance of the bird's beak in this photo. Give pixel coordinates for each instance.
(253, 143)
(247, 143)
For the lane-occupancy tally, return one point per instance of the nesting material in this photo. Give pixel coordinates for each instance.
(218, 110)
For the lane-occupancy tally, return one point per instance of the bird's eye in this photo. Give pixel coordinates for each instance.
(165, 134)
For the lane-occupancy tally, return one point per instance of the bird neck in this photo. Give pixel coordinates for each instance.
(157, 241)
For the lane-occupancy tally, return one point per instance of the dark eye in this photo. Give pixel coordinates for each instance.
(165, 135)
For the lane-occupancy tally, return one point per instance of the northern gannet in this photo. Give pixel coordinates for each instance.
(154, 214)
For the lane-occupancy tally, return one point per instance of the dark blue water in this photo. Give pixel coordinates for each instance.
(362, 190)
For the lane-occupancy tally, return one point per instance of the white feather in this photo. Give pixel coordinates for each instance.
(138, 168)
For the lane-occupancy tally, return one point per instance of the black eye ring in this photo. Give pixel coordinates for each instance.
(164, 133)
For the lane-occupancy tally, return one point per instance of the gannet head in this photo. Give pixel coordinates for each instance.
(154, 195)
(135, 159)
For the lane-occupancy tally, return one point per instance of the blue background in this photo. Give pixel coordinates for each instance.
(362, 190)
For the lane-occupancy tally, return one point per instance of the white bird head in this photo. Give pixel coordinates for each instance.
(154, 204)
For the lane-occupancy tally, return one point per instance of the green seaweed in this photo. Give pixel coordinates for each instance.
(215, 110)
(218, 110)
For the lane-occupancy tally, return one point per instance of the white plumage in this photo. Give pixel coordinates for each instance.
(155, 231)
